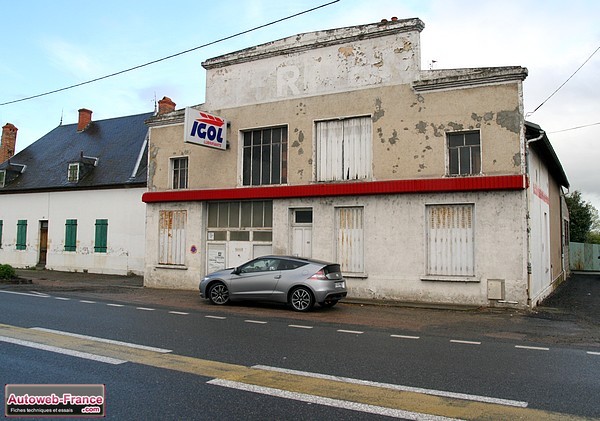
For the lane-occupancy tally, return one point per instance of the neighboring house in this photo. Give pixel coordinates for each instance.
(71, 201)
(425, 185)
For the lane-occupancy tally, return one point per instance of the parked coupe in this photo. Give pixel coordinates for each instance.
(297, 281)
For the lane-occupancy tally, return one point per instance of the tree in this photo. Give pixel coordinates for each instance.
(584, 225)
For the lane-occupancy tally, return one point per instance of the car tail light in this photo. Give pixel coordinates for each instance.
(319, 275)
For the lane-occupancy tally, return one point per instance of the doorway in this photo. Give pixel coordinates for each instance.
(43, 244)
(302, 232)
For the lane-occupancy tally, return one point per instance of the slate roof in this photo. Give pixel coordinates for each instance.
(116, 142)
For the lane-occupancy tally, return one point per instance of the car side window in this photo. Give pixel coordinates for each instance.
(289, 264)
(260, 265)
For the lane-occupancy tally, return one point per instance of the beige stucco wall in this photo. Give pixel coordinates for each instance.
(408, 133)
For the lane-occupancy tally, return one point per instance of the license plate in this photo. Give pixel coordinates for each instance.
(340, 285)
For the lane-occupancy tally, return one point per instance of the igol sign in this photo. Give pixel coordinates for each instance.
(204, 129)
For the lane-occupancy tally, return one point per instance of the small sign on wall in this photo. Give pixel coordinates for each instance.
(205, 129)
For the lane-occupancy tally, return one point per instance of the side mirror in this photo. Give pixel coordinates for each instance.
(236, 271)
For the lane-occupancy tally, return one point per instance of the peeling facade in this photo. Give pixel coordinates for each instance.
(343, 149)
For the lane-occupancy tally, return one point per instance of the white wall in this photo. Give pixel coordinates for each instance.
(123, 208)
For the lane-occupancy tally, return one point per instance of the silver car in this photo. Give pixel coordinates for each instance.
(297, 281)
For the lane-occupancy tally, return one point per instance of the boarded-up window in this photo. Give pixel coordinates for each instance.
(172, 237)
(344, 149)
(350, 239)
(450, 240)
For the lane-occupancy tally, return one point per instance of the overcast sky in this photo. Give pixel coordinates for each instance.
(48, 45)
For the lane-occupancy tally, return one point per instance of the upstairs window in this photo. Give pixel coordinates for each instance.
(21, 234)
(264, 155)
(344, 149)
(180, 172)
(71, 235)
(464, 153)
(73, 174)
(2, 178)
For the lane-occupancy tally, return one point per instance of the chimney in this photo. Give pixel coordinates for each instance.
(165, 105)
(85, 118)
(8, 142)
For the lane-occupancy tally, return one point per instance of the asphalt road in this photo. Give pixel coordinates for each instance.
(500, 354)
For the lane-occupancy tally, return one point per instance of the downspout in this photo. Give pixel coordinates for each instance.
(529, 269)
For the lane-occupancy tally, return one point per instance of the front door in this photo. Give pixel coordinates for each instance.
(302, 232)
(43, 243)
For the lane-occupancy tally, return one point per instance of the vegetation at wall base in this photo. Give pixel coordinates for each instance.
(7, 272)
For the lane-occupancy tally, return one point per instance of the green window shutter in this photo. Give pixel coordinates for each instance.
(1, 225)
(71, 235)
(21, 234)
(101, 235)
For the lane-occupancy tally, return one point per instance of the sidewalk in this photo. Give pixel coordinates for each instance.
(571, 316)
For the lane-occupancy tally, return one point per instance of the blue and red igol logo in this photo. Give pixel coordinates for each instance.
(208, 127)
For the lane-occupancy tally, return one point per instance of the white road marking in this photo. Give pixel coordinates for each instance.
(457, 341)
(356, 332)
(87, 302)
(300, 326)
(216, 317)
(534, 348)
(593, 353)
(405, 337)
(179, 312)
(62, 298)
(258, 322)
(336, 403)
(30, 294)
(144, 308)
(115, 305)
(104, 340)
(441, 393)
(64, 351)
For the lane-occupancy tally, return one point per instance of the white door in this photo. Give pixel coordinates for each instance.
(302, 241)
(239, 252)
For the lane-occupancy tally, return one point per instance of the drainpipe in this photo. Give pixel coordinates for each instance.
(527, 143)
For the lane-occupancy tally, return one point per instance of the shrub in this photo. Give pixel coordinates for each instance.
(7, 272)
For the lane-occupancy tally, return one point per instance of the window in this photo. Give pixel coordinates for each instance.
(73, 174)
(240, 221)
(1, 224)
(71, 235)
(350, 239)
(101, 236)
(464, 153)
(344, 149)
(265, 157)
(172, 237)
(450, 245)
(180, 172)
(2, 178)
(21, 234)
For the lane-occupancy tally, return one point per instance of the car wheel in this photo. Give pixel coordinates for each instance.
(218, 294)
(301, 299)
(329, 303)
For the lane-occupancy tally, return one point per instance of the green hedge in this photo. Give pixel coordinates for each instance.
(7, 272)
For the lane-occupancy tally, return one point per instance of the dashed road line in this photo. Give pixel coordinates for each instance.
(405, 337)
(144, 308)
(319, 400)
(258, 322)
(115, 305)
(179, 312)
(30, 294)
(356, 332)
(300, 326)
(215, 317)
(87, 302)
(107, 341)
(533, 348)
(64, 351)
(458, 341)
(593, 353)
(62, 298)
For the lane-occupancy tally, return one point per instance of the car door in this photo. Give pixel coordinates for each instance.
(255, 280)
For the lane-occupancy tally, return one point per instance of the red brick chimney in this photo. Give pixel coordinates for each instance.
(8, 142)
(85, 118)
(165, 105)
